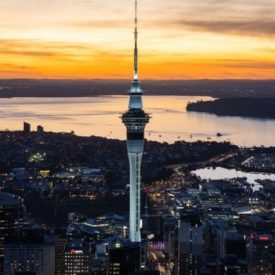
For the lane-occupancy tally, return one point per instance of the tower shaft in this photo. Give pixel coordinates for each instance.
(135, 185)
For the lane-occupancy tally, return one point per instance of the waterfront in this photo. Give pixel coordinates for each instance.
(100, 116)
(220, 173)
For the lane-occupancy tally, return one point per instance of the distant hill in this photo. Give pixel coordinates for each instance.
(244, 107)
(87, 88)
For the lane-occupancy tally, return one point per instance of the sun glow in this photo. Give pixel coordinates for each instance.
(94, 39)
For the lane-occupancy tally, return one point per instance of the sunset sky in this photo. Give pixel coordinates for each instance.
(179, 39)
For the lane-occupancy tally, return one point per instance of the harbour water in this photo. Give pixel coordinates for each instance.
(100, 116)
(220, 173)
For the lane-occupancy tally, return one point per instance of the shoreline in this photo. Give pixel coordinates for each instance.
(252, 108)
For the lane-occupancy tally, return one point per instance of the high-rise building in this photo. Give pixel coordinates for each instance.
(29, 250)
(60, 254)
(190, 242)
(135, 120)
(11, 209)
(171, 238)
(124, 257)
(258, 250)
(230, 244)
(153, 224)
(26, 128)
(38, 258)
(77, 258)
(40, 129)
(271, 262)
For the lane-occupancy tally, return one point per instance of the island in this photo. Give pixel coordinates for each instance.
(243, 107)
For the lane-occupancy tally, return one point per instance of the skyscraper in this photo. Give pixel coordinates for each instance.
(11, 209)
(77, 257)
(190, 241)
(135, 120)
(124, 257)
(26, 128)
(29, 256)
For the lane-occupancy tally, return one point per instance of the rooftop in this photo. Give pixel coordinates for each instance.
(9, 199)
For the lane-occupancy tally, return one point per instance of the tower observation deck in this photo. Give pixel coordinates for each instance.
(135, 120)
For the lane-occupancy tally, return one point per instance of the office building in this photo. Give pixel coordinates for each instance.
(38, 258)
(77, 258)
(190, 242)
(26, 128)
(258, 252)
(11, 209)
(40, 129)
(124, 257)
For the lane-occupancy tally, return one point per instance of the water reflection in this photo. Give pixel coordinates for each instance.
(100, 116)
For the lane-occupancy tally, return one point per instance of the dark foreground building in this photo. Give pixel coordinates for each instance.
(11, 209)
(124, 258)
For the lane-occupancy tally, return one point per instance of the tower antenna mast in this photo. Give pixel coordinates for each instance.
(136, 42)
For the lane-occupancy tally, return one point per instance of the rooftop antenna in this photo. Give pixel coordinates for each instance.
(136, 42)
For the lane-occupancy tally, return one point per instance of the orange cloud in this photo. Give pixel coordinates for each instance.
(94, 39)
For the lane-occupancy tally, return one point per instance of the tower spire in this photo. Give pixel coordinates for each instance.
(136, 42)
(135, 92)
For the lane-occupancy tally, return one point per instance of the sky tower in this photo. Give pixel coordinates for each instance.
(135, 120)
